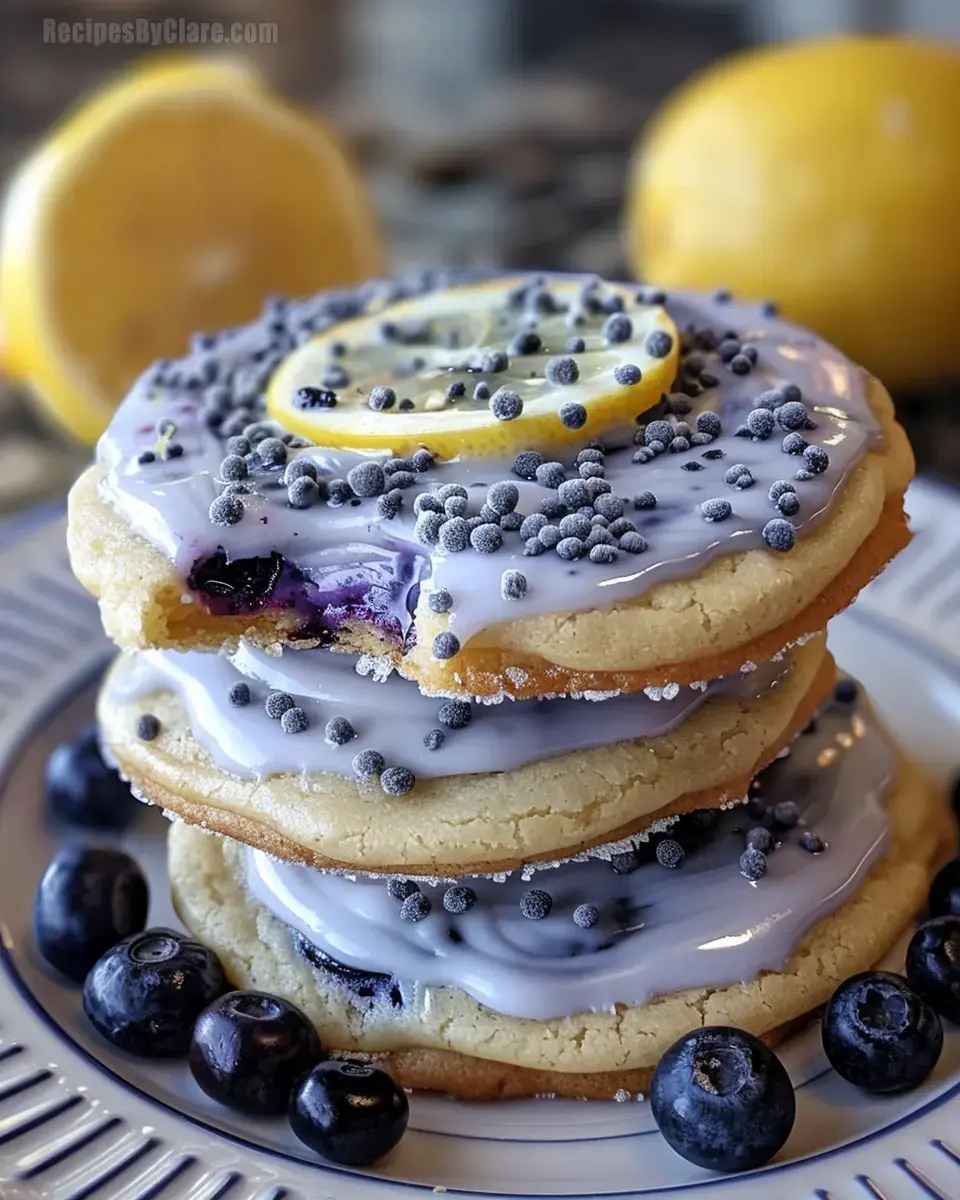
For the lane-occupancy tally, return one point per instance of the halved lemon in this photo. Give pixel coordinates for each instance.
(173, 201)
(481, 369)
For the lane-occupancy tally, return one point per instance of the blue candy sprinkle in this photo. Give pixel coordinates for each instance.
(761, 423)
(816, 459)
(445, 645)
(627, 374)
(791, 416)
(779, 535)
(716, 510)
(709, 423)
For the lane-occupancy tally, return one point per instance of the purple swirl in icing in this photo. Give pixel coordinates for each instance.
(659, 931)
(391, 716)
(330, 564)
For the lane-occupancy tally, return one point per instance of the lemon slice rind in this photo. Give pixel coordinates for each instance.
(390, 349)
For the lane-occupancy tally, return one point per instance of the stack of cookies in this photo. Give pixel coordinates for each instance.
(483, 621)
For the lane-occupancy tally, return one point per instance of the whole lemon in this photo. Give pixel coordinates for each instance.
(825, 176)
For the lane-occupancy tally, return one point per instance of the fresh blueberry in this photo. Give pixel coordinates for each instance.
(944, 895)
(933, 965)
(722, 1099)
(248, 1050)
(82, 789)
(349, 1113)
(879, 1034)
(145, 994)
(89, 898)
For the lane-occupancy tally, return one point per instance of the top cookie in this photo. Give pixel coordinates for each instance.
(513, 487)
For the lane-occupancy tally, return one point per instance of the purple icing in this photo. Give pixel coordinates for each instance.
(658, 932)
(352, 561)
(392, 717)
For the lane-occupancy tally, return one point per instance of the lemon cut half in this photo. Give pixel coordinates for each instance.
(174, 200)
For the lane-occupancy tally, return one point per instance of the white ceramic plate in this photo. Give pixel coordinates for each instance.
(78, 1119)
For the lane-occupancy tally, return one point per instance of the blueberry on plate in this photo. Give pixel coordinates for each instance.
(944, 895)
(88, 899)
(933, 965)
(349, 1113)
(722, 1099)
(879, 1034)
(145, 994)
(248, 1050)
(80, 788)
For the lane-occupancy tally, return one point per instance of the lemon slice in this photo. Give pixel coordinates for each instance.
(175, 200)
(481, 369)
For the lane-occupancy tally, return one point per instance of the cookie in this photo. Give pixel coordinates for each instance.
(444, 1039)
(748, 505)
(447, 823)
(521, 673)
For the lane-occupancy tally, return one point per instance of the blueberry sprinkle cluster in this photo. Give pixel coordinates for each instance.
(229, 386)
(368, 765)
(579, 518)
(771, 825)
(577, 515)
(774, 824)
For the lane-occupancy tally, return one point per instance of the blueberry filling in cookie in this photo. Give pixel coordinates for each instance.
(324, 599)
(241, 585)
(363, 985)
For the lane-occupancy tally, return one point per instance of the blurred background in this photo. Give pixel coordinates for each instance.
(487, 131)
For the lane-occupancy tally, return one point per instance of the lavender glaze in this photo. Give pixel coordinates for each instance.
(660, 931)
(391, 715)
(349, 562)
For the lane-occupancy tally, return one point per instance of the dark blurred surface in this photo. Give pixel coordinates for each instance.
(490, 131)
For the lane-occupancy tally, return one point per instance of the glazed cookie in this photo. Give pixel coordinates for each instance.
(566, 486)
(306, 759)
(851, 865)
